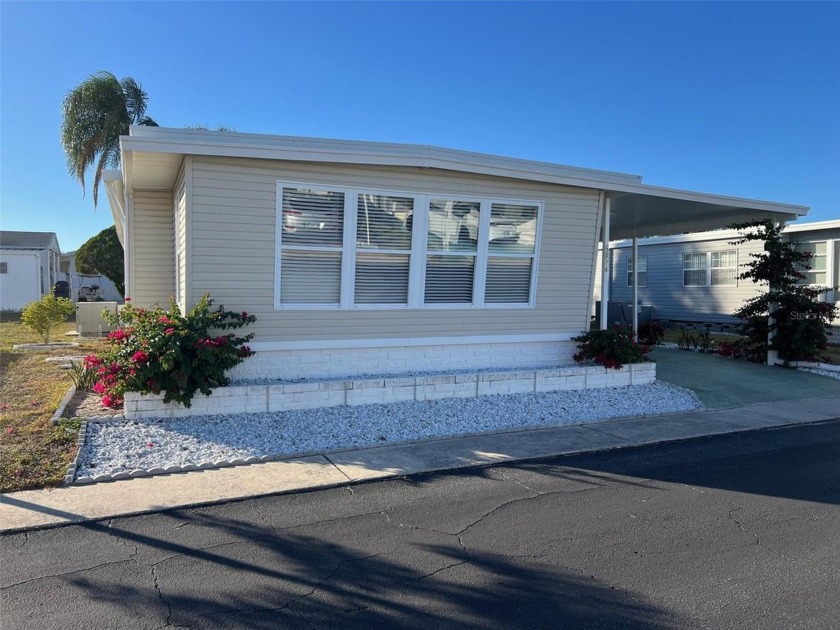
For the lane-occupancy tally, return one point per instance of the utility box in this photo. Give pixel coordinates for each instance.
(621, 313)
(89, 319)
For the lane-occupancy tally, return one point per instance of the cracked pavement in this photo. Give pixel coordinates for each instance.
(738, 531)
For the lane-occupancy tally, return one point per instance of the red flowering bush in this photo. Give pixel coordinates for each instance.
(611, 348)
(156, 350)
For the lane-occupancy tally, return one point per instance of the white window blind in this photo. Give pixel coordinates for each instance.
(512, 241)
(642, 274)
(383, 245)
(694, 270)
(724, 268)
(311, 246)
(452, 245)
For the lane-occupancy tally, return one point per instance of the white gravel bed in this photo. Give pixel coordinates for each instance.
(828, 373)
(123, 447)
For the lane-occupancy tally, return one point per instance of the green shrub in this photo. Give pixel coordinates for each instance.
(157, 350)
(611, 348)
(651, 333)
(45, 314)
(83, 377)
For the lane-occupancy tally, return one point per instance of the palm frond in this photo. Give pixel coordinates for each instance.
(95, 114)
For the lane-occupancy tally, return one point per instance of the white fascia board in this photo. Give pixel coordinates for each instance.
(156, 139)
(708, 198)
(831, 224)
(112, 180)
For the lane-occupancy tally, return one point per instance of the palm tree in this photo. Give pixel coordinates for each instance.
(96, 113)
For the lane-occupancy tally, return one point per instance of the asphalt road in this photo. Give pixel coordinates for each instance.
(738, 531)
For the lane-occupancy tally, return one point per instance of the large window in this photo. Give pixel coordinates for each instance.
(705, 269)
(356, 248)
(818, 272)
(642, 273)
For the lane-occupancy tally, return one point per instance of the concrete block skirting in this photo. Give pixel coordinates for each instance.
(315, 394)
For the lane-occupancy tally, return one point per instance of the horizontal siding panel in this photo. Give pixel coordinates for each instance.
(234, 222)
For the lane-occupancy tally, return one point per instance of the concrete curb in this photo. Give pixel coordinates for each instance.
(63, 404)
(80, 447)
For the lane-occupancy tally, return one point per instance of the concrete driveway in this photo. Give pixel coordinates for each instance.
(722, 383)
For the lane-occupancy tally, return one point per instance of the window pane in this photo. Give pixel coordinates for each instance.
(694, 261)
(818, 278)
(723, 276)
(449, 279)
(312, 217)
(384, 222)
(695, 278)
(513, 228)
(508, 280)
(453, 225)
(723, 259)
(381, 279)
(310, 277)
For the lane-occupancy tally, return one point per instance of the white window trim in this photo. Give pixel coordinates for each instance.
(417, 254)
(708, 269)
(829, 263)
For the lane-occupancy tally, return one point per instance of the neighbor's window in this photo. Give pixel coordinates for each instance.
(724, 268)
(451, 246)
(642, 275)
(817, 274)
(383, 248)
(312, 244)
(512, 236)
(694, 270)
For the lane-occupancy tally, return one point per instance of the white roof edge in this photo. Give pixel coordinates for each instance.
(816, 225)
(716, 235)
(711, 198)
(200, 142)
(229, 144)
(113, 183)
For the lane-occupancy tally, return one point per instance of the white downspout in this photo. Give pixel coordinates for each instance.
(605, 265)
(635, 287)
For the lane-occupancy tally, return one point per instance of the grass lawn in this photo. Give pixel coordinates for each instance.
(33, 452)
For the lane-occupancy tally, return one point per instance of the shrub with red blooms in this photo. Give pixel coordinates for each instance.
(161, 351)
(611, 348)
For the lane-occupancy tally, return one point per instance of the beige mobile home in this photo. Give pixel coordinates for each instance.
(370, 258)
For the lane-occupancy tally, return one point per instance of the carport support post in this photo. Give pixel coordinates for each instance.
(605, 265)
(635, 287)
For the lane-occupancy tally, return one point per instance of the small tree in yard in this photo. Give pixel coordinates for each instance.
(798, 321)
(45, 314)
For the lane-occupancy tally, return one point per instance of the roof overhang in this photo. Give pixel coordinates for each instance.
(115, 189)
(152, 157)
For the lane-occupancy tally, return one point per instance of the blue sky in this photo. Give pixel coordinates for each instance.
(732, 98)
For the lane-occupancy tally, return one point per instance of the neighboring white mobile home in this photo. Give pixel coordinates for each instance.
(29, 267)
(371, 258)
(694, 277)
(85, 287)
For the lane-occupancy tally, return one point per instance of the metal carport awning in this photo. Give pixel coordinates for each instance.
(635, 211)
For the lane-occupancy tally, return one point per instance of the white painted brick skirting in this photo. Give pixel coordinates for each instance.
(315, 394)
(288, 365)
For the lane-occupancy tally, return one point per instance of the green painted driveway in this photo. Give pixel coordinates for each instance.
(724, 383)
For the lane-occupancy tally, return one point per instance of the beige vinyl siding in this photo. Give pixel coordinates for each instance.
(153, 253)
(233, 204)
